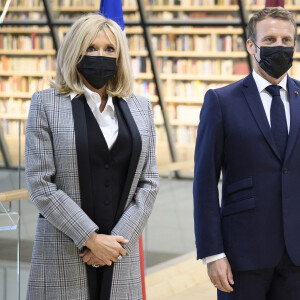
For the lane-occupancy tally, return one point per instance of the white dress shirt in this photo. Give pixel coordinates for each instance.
(107, 119)
(266, 100)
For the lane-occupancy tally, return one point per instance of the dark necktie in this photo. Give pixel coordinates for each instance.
(278, 119)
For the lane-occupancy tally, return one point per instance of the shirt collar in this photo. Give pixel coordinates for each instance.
(262, 83)
(94, 98)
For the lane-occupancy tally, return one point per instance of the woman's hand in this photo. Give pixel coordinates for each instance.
(106, 248)
(89, 258)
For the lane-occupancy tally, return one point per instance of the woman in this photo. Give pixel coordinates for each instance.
(90, 169)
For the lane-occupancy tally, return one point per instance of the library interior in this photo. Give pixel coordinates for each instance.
(179, 49)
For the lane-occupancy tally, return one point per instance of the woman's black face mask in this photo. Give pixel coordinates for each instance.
(275, 61)
(97, 70)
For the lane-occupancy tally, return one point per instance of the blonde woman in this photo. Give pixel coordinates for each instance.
(90, 169)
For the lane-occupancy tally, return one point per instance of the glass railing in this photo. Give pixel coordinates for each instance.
(15, 243)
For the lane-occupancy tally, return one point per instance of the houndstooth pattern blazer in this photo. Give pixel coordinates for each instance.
(57, 272)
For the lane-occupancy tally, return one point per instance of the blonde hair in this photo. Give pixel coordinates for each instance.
(77, 40)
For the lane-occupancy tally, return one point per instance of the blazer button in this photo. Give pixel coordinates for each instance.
(107, 166)
(284, 170)
(106, 184)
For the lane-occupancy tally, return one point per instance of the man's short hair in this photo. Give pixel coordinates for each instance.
(269, 12)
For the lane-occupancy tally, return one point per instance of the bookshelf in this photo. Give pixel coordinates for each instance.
(27, 60)
(197, 44)
(187, 67)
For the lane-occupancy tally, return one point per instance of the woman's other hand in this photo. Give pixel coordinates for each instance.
(89, 258)
(106, 248)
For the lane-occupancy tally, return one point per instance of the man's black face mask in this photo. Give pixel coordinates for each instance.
(275, 61)
(97, 70)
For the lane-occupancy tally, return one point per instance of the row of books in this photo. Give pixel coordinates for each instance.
(22, 3)
(74, 3)
(212, 15)
(14, 106)
(136, 42)
(202, 67)
(191, 2)
(22, 84)
(191, 66)
(23, 16)
(193, 90)
(188, 42)
(144, 88)
(140, 65)
(181, 135)
(27, 64)
(32, 41)
(164, 42)
(132, 3)
(188, 114)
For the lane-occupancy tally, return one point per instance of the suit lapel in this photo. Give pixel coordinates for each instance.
(81, 140)
(135, 154)
(295, 115)
(254, 101)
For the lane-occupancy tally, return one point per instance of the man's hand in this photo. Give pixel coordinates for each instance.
(219, 272)
(106, 247)
(89, 258)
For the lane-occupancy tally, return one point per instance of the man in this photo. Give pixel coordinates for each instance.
(250, 131)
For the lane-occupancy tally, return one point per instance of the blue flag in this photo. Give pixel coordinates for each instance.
(112, 9)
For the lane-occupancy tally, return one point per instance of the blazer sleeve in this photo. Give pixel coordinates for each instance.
(54, 204)
(134, 218)
(208, 163)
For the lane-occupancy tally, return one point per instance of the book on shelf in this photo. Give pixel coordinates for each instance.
(200, 67)
(186, 134)
(182, 135)
(187, 114)
(195, 42)
(78, 3)
(14, 106)
(145, 88)
(132, 3)
(189, 3)
(25, 64)
(140, 65)
(11, 127)
(32, 41)
(23, 3)
(135, 42)
(22, 84)
(181, 114)
(24, 16)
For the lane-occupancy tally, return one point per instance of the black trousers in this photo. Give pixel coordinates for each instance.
(279, 283)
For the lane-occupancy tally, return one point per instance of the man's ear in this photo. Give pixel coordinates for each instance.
(250, 47)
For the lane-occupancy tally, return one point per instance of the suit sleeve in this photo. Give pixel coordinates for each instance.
(134, 218)
(208, 163)
(54, 204)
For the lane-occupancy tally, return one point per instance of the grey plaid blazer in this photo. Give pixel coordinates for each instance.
(57, 272)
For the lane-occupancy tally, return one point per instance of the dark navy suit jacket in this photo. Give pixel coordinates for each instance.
(260, 207)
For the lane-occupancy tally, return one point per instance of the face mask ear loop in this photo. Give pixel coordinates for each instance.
(255, 50)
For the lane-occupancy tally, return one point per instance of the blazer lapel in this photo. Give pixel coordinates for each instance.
(81, 141)
(135, 154)
(295, 115)
(254, 101)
